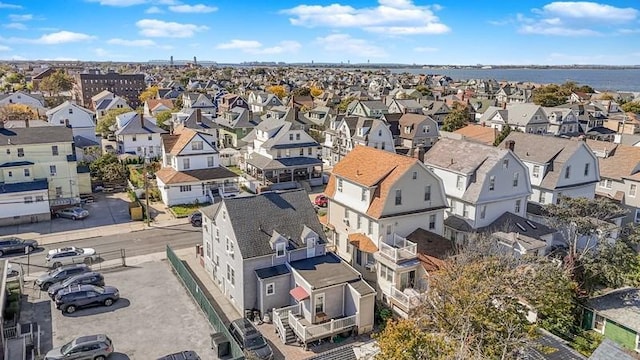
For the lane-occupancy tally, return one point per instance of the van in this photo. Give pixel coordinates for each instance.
(250, 339)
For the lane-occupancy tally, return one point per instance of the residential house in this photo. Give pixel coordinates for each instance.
(262, 101)
(623, 123)
(191, 170)
(509, 94)
(405, 106)
(107, 104)
(196, 120)
(481, 184)
(612, 350)
(78, 118)
(376, 200)
(153, 107)
(234, 125)
(619, 166)
(526, 118)
(616, 315)
(38, 173)
(562, 122)
(34, 102)
(374, 133)
(229, 101)
(437, 110)
(267, 252)
(417, 131)
(477, 133)
(556, 167)
(368, 108)
(205, 102)
(280, 153)
(138, 135)
(337, 139)
(579, 97)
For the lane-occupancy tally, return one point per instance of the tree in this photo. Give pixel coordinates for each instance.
(301, 91)
(113, 172)
(150, 93)
(14, 78)
(316, 91)
(344, 104)
(404, 340)
(457, 118)
(17, 112)
(425, 91)
(506, 130)
(162, 117)
(107, 167)
(632, 106)
(277, 90)
(551, 95)
(108, 120)
(56, 83)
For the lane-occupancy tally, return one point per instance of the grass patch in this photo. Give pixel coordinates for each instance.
(236, 170)
(185, 210)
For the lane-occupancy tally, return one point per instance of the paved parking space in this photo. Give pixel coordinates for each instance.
(155, 316)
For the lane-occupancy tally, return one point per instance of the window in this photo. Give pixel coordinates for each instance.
(196, 145)
(209, 250)
(319, 303)
(359, 221)
(567, 172)
(230, 247)
(149, 137)
(70, 111)
(598, 323)
(27, 173)
(20, 152)
(217, 235)
(414, 175)
(454, 205)
(54, 150)
(270, 289)
(210, 161)
(52, 170)
(363, 196)
(432, 221)
(517, 208)
(632, 190)
(58, 191)
(340, 185)
(483, 211)
(536, 171)
(541, 199)
(309, 151)
(28, 199)
(186, 163)
(290, 137)
(185, 188)
(298, 136)
(505, 163)
(10, 173)
(133, 138)
(459, 182)
(516, 175)
(586, 169)
(231, 275)
(398, 197)
(605, 183)
(358, 257)
(427, 193)
(370, 227)
(386, 273)
(492, 183)
(465, 211)
(280, 249)
(39, 198)
(636, 219)
(301, 151)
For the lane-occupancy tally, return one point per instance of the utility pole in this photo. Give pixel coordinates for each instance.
(146, 179)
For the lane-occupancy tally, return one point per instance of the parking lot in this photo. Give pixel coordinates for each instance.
(107, 209)
(155, 316)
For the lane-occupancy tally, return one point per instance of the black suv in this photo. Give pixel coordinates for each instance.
(250, 339)
(14, 245)
(78, 296)
(88, 278)
(60, 274)
(196, 218)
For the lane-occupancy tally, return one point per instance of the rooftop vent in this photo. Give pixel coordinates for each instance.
(521, 227)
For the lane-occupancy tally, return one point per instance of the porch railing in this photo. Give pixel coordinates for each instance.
(406, 301)
(398, 248)
(313, 332)
(280, 316)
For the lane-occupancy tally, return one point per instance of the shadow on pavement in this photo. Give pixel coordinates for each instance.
(120, 304)
(38, 311)
(118, 356)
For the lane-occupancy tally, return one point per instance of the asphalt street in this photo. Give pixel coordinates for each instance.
(136, 243)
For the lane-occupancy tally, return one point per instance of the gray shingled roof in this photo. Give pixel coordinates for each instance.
(135, 126)
(36, 135)
(510, 222)
(621, 305)
(609, 350)
(254, 218)
(550, 347)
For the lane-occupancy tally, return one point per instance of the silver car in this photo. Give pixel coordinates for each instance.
(91, 347)
(71, 255)
(75, 213)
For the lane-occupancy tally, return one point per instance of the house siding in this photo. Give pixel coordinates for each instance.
(281, 296)
(620, 334)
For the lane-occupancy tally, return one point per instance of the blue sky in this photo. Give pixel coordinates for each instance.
(384, 31)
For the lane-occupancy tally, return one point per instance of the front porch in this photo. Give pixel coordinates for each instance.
(284, 170)
(404, 301)
(290, 325)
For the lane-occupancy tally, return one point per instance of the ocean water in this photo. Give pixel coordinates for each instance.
(599, 79)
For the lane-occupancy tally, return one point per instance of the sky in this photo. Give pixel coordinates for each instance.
(446, 32)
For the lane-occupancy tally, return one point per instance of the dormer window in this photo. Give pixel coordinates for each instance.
(280, 249)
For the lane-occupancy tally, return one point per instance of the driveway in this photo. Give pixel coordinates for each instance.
(154, 317)
(107, 209)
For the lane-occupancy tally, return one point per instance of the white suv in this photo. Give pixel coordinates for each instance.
(71, 255)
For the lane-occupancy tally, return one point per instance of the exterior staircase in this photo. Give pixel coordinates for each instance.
(290, 337)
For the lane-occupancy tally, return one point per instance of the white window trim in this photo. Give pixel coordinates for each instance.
(593, 325)
(283, 247)
(273, 288)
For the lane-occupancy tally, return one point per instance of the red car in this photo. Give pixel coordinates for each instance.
(321, 201)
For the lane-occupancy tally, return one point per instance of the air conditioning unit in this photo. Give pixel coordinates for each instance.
(370, 267)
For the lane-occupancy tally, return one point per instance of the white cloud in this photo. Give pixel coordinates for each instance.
(199, 8)
(256, 47)
(62, 37)
(425, 49)
(16, 17)
(16, 26)
(154, 10)
(544, 29)
(589, 10)
(394, 17)
(345, 44)
(123, 42)
(9, 6)
(159, 28)
(629, 31)
(18, 58)
(101, 52)
(119, 3)
(4, 48)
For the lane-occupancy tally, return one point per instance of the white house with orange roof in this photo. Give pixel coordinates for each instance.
(154, 106)
(377, 199)
(191, 170)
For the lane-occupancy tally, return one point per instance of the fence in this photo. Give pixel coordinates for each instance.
(200, 297)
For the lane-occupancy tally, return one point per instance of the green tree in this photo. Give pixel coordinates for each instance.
(632, 106)
(149, 93)
(56, 83)
(457, 118)
(108, 120)
(506, 130)
(301, 91)
(344, 104)
(425, 91)
(551, 95)
(161, 118)
(17, 112)
(98, 166)
(14, 78)
(405, 340)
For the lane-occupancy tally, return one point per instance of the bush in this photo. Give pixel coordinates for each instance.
(382, 314)
(587, 342)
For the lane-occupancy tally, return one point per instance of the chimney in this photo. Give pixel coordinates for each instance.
(418, 153)
(26, 122)
(510, 145)
(504, 105)
(141, 120)
(199, 116)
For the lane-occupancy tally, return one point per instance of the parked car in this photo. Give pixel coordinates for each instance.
(88, 278)
(93, 347)
(80, 296)
(182, 355)
(250, 339)
(196, 218)
(70, 255)
(321, 200)
(75, 213)
(60, 274)
(15, 245)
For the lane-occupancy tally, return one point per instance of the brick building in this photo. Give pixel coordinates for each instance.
(127, 86)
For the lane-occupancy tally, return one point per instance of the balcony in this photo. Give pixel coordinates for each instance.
(290, 318)
(406, 300)
(398, 249)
